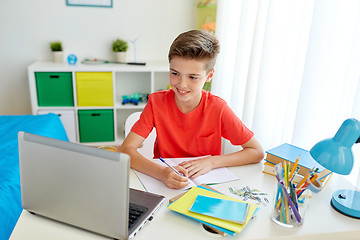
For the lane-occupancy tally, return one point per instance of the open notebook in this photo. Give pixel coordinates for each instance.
(218, 175)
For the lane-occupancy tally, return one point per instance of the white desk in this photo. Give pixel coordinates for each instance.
(321, 220)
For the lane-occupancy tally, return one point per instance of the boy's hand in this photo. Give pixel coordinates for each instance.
(173, 180)
(197, 167)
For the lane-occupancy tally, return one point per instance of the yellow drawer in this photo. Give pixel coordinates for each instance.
(94, 89)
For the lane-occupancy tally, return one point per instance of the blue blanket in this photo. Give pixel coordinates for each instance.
(48, 125)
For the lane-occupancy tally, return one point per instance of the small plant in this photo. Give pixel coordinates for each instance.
(56, 46)
(119, 46)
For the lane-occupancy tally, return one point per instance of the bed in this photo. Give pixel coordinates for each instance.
(48, 125)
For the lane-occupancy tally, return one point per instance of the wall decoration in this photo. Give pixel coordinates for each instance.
(206, 19)
(90, 3)
(206, 14)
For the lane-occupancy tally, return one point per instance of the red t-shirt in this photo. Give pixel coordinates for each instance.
(193, 134)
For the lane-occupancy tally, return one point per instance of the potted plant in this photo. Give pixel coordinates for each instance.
(56, 48)
(120, 47)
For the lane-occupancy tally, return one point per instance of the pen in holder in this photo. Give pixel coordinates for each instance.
(290, 200)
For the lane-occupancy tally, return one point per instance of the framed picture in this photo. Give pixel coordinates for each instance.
(90, 3)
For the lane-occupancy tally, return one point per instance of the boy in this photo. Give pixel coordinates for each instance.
(189, 121)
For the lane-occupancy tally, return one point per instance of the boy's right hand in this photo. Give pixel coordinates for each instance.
(173, 180)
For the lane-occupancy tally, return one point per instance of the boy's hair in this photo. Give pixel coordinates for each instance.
(196, 44)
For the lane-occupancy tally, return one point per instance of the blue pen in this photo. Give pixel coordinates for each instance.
(170, 166)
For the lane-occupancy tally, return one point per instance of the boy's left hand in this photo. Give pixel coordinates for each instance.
(197, 167)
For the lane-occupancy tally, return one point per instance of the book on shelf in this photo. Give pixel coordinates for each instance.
(289, 153)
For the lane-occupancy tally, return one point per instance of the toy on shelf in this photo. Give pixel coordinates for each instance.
(135, 98)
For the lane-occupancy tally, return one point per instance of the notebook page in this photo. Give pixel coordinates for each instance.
(217, 175)
(154, 185)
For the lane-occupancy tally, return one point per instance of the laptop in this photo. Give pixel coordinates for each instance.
(82, 186)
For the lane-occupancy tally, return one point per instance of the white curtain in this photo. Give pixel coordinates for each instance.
(290, 69)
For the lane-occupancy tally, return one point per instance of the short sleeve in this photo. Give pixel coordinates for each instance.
(233, 128)
(145, 124)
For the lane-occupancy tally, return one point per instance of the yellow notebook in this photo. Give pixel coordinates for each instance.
(183, 204)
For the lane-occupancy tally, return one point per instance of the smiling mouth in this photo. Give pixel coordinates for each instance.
(183, 91)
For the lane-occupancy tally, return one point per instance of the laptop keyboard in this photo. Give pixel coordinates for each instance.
(135, 212)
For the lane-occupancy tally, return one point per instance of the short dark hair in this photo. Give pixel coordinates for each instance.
(196, 44)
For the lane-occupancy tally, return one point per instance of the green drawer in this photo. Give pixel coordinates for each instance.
(54, 89)
(96, 125)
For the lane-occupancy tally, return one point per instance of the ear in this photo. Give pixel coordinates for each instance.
(210, 75)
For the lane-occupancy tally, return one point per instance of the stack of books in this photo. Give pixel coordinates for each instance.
(220, 213)
(287, 153)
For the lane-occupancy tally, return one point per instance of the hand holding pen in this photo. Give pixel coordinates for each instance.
(178, 180)
(170, 166)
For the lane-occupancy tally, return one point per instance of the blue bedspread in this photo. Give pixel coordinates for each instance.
(48, 125)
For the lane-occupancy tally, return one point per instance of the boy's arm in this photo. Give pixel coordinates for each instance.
(138, 162)
(252, 152)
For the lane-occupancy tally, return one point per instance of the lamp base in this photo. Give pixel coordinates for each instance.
(347, 202)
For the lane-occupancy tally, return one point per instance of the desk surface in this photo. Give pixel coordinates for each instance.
(321, 220)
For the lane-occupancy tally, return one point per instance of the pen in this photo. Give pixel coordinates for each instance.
(295, 196)
(292, 205)
(170, 166)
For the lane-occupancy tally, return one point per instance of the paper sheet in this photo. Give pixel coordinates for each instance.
(218, 175)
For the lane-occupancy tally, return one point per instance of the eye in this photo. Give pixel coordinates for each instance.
(193, 77)
(174, 73)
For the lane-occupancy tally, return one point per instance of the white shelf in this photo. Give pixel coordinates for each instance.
(127, 79)
(42, 66)
(130, 106)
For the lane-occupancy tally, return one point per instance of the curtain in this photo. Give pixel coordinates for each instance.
(290, 69)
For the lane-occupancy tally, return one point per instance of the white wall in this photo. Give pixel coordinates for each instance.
(27, 28)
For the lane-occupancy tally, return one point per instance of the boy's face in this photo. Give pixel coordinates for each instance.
(187, 78)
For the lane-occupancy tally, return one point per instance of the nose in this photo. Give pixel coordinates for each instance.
(182, 82)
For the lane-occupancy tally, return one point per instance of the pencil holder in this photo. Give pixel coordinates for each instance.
(290, 204)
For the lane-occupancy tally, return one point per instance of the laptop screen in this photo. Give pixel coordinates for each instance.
(76, 184)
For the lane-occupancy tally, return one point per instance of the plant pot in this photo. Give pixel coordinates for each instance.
(58, 57)
(120, 57)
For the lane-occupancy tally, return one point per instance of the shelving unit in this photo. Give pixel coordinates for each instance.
(88, 89)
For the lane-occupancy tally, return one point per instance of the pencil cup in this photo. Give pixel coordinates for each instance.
(290, 205)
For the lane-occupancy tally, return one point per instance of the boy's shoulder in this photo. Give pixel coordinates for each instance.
(214, 98)
(161, 95)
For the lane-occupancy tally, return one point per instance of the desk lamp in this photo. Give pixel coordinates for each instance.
(335, 154)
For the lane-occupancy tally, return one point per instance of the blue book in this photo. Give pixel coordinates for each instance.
(289, 153)
(228, 210)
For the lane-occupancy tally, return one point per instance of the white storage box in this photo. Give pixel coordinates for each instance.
(67, 118)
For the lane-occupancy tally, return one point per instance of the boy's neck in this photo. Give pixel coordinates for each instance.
(188, 106)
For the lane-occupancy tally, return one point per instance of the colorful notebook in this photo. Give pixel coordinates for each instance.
(183, 204)
(227, 210)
